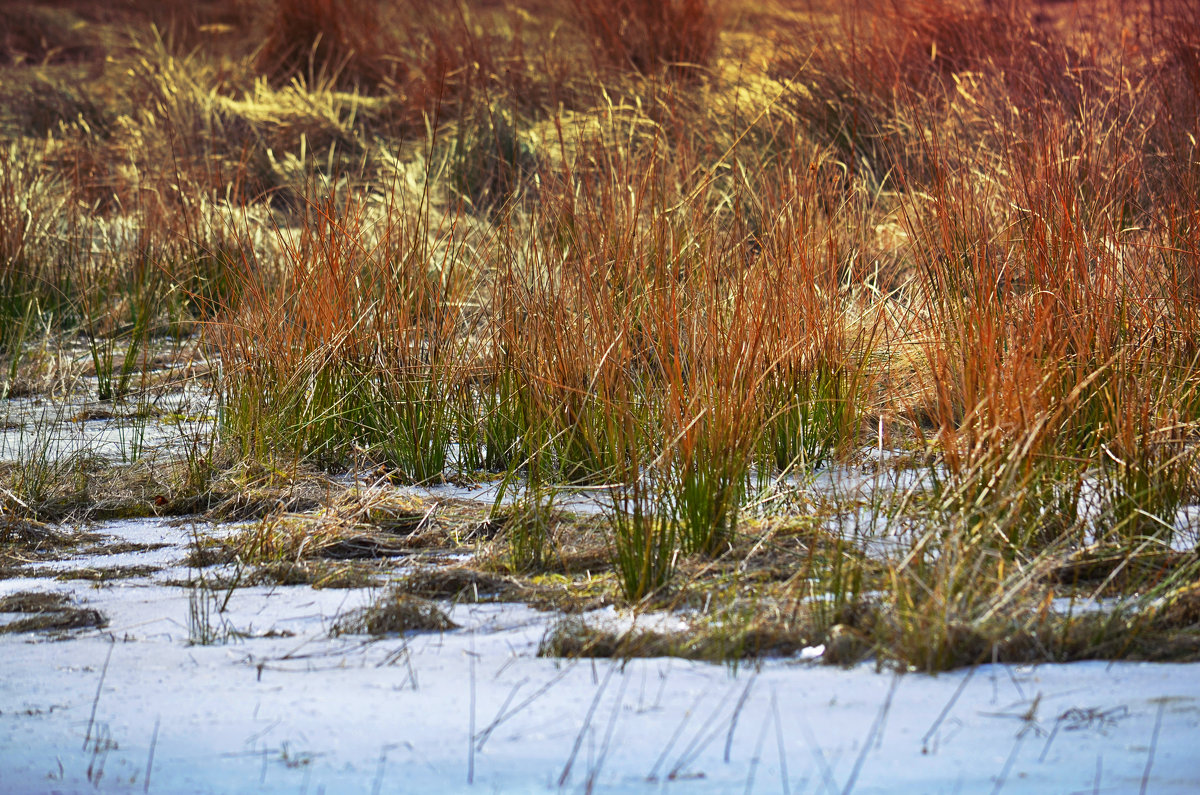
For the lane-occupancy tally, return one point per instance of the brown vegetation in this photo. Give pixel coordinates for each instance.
(680, 258)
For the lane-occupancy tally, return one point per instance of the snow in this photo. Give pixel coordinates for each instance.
(55, 431)
(283, 707)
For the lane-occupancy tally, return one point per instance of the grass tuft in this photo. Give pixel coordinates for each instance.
(395, 612)
(649, 36)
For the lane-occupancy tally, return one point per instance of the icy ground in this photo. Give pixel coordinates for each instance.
(280, 706)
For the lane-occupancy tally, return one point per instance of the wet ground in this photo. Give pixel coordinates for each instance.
(171, 685)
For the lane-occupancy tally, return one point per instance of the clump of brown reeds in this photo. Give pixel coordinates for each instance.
(357, 349)
(649, 35)
(871, 84)
(338, 40)
(38, 33)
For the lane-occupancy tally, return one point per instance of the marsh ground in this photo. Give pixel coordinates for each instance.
(234, 688)
(661, 339)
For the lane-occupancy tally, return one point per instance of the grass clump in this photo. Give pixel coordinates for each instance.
(455, 584)
(648, 36)
(316, 574)
(291, 539)
(394, 613)
(323, 40)
(47, 612)
(574, 637)
(32, 602)
(38, 34)
(108, 574)
(527, 528)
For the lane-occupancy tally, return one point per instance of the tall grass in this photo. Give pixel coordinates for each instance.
(32, 282)
(354, 350)
(327, 40)
(648, 36)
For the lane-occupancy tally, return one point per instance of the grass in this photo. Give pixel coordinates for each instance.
(57, 621)
(860, 329)
(41, 612)
(647, 36)
(574, 638)
(394, 612)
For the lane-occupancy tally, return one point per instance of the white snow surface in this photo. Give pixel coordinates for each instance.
(136, 707)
